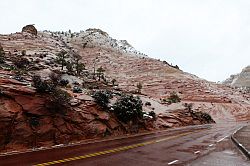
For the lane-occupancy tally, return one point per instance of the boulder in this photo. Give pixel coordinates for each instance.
(30, 29)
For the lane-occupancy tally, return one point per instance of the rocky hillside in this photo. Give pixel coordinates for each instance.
(93, 37)
(159, 79)
(239, 80)
(28, 121)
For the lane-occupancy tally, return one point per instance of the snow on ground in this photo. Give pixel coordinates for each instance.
(157, 107)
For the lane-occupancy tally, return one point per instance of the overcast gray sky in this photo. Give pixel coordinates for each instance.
(208, 38)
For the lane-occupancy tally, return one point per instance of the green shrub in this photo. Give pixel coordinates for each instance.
(113, 82)
(43, 86)
(21, 63)
(128, 108)
(63, 82)
(79, 67)
(147, 103)
(100, 73)
(139, 87)
(206, 116)
(23, 52)
(69, 67)
(173, 98)
(153, 114)
(2, 53)
(188, 106)
(77, 89)
(58, 101)
(39, 84)
(55, 78)
(102, 97)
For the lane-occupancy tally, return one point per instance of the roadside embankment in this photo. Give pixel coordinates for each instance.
(242, 139)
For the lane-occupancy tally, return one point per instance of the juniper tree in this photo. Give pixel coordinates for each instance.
(100, 71)
(2, 53)
(79, 66)
(113, 82)
(61, 56)
(139, 87)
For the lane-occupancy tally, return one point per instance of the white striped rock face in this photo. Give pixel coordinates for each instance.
(240, 80)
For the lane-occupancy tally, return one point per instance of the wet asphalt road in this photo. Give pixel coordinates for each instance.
(225, 154)
(194, 145)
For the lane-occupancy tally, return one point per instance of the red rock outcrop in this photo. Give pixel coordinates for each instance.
(25, 121)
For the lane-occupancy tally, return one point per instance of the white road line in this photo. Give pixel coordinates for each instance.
(211, 145)
(221, 139)
(197, 152)
(160, 140)
(172, 162)
(59, 145)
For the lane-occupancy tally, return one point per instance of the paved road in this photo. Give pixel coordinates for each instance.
(182, 146)
(225, 154)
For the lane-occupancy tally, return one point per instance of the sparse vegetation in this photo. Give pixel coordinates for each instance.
(113, 81)
(153, 114)
(69, 67)
(75, 65)
(63, 82)
(78, 65)
(23, 52)
(77, 89)
(128, 108)
(58, 101)
(173, 98)
(147, 103)
(2, 53)
(139, 87)
(21, 63)
(19, 75)
(102, 97)
(61, 58)
(94, 62)
(100, 73)
(188, 106)
(43, 85)
(39, 84)
(55, 78)
(203, 116)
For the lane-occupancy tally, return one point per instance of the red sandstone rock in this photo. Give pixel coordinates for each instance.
(32, 104)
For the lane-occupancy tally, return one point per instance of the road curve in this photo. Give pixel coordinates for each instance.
(169, 147)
